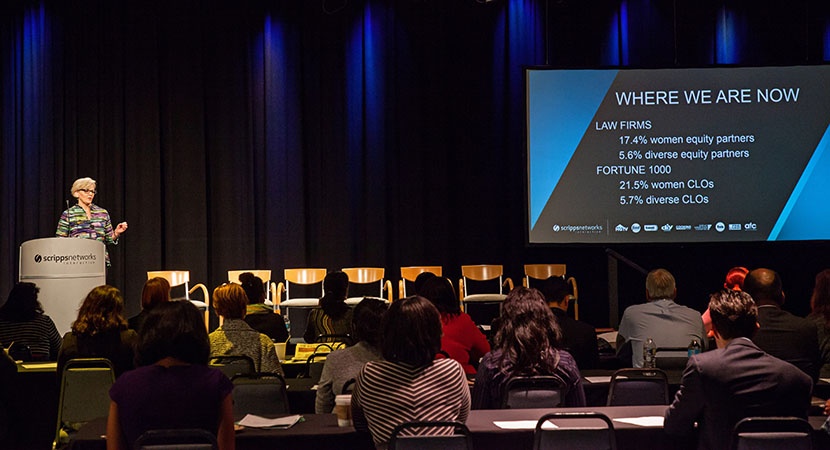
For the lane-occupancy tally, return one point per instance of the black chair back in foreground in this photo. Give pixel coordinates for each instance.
(769, 433)
(84, 395)
(431, 436)
(261, 393)
(630, 387)
(534, 392)
(181, 439)
(589, 430)
(233, 365)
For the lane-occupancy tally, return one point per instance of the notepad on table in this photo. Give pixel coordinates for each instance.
(252, 421)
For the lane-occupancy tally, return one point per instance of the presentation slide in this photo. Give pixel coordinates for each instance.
(678, 155)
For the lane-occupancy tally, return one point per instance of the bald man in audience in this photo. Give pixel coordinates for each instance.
(663, 320)
(782, 334)
(737, 380)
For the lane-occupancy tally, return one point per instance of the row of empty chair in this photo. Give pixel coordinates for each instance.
(481, 288)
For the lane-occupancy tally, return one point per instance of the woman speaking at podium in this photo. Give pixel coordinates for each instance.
(88, 220)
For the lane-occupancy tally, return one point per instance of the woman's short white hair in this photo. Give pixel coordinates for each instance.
(82, 183)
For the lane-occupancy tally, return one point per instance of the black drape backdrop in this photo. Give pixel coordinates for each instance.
(340, 133)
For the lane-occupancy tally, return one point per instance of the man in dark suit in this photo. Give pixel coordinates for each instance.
(782, 334)
(737, 380)
(578, 338)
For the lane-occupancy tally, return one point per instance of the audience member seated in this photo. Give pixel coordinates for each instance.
(527, 343)
(782, 334)
(420, 280)
(173, 387)
(820, 315)
(100, 331)
(734, 282)
(259, 316)
(385, 391)
(235, 337)
(333, 315)
(156, 290)
(462, 340)
(27, 332)
(660, 318)
(737, 380)
(578, 338)
(345, 364)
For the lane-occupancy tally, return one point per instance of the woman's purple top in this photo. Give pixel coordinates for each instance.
(156, 397)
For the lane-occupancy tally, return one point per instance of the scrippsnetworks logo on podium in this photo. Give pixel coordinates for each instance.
(67, 260)
(578, 229)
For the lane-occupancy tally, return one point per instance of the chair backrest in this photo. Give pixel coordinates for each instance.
(586, 430)
(671, 358)
(630, 387)
(84, 393)
(314, 365)
(768, 433)
(261, 393)
(409, 274)
(363, 279)
(182, 278)
(534, 392)
(431, 435)
(296, 303)
(481, 290)
(232, 365)
(176, 439)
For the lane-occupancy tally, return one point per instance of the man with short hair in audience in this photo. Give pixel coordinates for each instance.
(782, 334)
(578, 338)
(737, 380)
(667, 323)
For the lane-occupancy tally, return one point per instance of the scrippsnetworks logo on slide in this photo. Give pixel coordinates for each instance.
(578, 229)
(68, 260)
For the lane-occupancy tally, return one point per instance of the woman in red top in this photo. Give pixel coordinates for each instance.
(462, 340)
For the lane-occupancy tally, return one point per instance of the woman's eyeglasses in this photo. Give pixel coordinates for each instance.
(88, 191)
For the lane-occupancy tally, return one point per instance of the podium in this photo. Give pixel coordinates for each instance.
(65, 270)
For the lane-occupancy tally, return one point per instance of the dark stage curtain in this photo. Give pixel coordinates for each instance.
(332, 133)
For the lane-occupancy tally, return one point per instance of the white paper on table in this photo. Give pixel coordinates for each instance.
(598, 379)
(253, 421)
(644, 421)
(523, 425)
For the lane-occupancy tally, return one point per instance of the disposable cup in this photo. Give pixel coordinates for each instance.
(280, 347)
(343, 409)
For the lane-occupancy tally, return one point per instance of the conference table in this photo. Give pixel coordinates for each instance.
(636, 427)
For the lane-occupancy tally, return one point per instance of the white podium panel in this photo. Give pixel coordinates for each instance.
(65, 270)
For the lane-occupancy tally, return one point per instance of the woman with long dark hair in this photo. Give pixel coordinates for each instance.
(409, 384)
(100, 331)
(333, 316)
(173, 387)
(527, 343)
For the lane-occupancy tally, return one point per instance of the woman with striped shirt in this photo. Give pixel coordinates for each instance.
(410, 384)
(24, 327)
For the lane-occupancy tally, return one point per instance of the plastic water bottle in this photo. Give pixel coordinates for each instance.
(694, 348)
(649, 354)
(287, 323)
